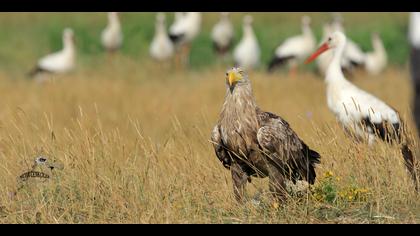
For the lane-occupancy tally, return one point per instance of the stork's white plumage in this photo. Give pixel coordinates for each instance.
(178, 16)
(59, 62)
(414, 29)
(414, 39)
(161, 47)
(247, 53)
(351, 105)
(185, 27)
(222, 34)
(295, 49)
(377, 59)
(359, 112)
(112, 36)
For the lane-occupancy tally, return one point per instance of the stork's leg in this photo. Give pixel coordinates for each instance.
(277, 183)
(186, 54)
(112, 57)
(177, 58)
(293, 71)
(240, 177)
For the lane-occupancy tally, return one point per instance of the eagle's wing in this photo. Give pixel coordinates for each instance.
(219, 147)
(285, 148)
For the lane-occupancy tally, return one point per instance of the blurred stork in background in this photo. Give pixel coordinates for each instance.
(376, 60)
(59, 62)
(353, 56)
(112, 36)
(247, 53)
(161, 48)
(294, 49)
(414, 39)
(183, 31)
(222, 35)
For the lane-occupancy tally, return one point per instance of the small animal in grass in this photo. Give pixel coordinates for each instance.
(41, 171)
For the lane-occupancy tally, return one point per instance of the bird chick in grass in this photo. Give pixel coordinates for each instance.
(41, 171)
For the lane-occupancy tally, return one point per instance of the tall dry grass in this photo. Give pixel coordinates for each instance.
(135, 147)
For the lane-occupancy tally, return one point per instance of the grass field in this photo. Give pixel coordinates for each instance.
(133, 137)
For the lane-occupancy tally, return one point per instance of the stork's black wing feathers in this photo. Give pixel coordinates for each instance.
(384, 130)
(176, 38)
(278, 61)
(36, 70)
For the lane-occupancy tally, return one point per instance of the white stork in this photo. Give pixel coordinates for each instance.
(377, 59)
(184, 30)
(247, 53)
(295, 49)
(161, 48)
(62, 61)
(112, 36)
(359, 112)
(414, 39)
(222, 34)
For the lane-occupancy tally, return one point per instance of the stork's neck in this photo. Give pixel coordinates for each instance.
(113, 21)
(248, 31)
(193, 17)
(68, 45)
(337, 26)
(160, 28)
(224, 18)
(414, 29)
(334, 72)
(307, 31)
(378, 46)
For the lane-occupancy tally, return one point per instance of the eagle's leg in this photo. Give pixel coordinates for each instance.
(277, 184)
(240, 177)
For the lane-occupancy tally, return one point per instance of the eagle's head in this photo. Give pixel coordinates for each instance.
(234, 77)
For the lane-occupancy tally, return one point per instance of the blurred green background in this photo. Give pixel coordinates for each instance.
(25, 37)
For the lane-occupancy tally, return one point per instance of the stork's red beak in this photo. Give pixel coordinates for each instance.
(324, 47)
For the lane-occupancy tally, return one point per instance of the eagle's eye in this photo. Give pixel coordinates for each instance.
(329, 39)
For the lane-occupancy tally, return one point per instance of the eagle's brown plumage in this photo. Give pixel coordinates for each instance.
(251, 142)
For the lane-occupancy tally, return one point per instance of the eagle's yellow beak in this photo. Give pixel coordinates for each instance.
(232, 78)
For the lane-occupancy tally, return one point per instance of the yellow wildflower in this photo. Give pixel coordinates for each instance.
(328, 174)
